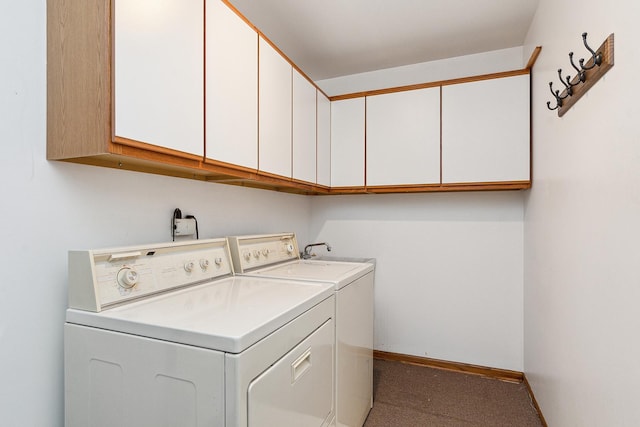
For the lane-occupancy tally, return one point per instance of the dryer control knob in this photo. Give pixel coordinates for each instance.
(247, 255)
(188, 266)
(218, 261)
(256, 254)
(265, 252)
(204, 263)
(127, 278)
(289, 247)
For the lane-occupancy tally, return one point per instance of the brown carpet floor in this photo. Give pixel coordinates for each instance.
(414, 396)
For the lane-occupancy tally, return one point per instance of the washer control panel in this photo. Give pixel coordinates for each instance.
(250, 252)
(99, 279)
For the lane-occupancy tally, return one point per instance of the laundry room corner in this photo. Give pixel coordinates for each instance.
(448, 270)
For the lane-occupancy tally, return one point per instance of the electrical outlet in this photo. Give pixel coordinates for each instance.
(185, 227)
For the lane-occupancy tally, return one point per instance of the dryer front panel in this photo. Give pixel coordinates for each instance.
(297, 391)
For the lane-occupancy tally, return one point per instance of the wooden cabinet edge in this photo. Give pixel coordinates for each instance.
(347, 190)
(426, 85)
(533, 58)
(408, 188)
(218, 165)
(149, 148)
(310, 187)
(487, 186)
(134, 164)
(447, 82)
(433, 188)
(78, 56)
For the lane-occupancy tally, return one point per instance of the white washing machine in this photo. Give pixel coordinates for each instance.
(277, 256)
(165, 335)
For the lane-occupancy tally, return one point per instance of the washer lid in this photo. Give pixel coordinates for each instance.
(227, 315)
(338, 273)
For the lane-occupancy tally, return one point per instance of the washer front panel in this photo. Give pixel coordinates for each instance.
(252, 252)
(99, 279)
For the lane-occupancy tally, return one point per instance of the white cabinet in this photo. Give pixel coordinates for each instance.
(232, 87)
(485, 131)
(347, 142)
(159, 73)
(274, 129)
(323, 163)
(403, 138)
(304, 129)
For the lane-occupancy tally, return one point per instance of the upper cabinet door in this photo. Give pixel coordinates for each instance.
(159, 73)
(323, 163)
(232, 88)
(304, 129)
(485, 131)
(403, 138)
(347, 142)
(274, 127)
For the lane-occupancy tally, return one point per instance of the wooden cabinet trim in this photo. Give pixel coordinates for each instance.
(348, 190)
(433, 188)
(430, 84)
(525, 70)
(533, 58)
(211, 163)
(152, 148)
(78, 78)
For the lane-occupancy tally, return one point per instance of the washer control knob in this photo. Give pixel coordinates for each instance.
(289, 248)
(265, 252)
(256, 254)
(188, 266)
(218, 261)
(247, 255)
(204, 263)
(127, 278)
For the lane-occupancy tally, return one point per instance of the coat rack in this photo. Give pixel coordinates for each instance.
(588, 72)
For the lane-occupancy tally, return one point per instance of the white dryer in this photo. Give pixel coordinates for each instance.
(165, 335)
(277, 256)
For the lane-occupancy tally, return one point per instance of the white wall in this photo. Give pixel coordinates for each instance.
(49, 208)
(448, 273)
(582, 318)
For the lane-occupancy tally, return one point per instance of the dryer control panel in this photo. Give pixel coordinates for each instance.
(99, 279)
(250, 252)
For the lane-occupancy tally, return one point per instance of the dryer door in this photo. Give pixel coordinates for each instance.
(297, 391)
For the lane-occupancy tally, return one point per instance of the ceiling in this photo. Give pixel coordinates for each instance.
(332, 38)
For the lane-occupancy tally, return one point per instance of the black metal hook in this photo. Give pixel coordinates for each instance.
(581, 75)
(556, 95)
(557, 92)
(568, 84)
(597, 57)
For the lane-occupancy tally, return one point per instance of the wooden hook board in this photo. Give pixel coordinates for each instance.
(591, 76)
